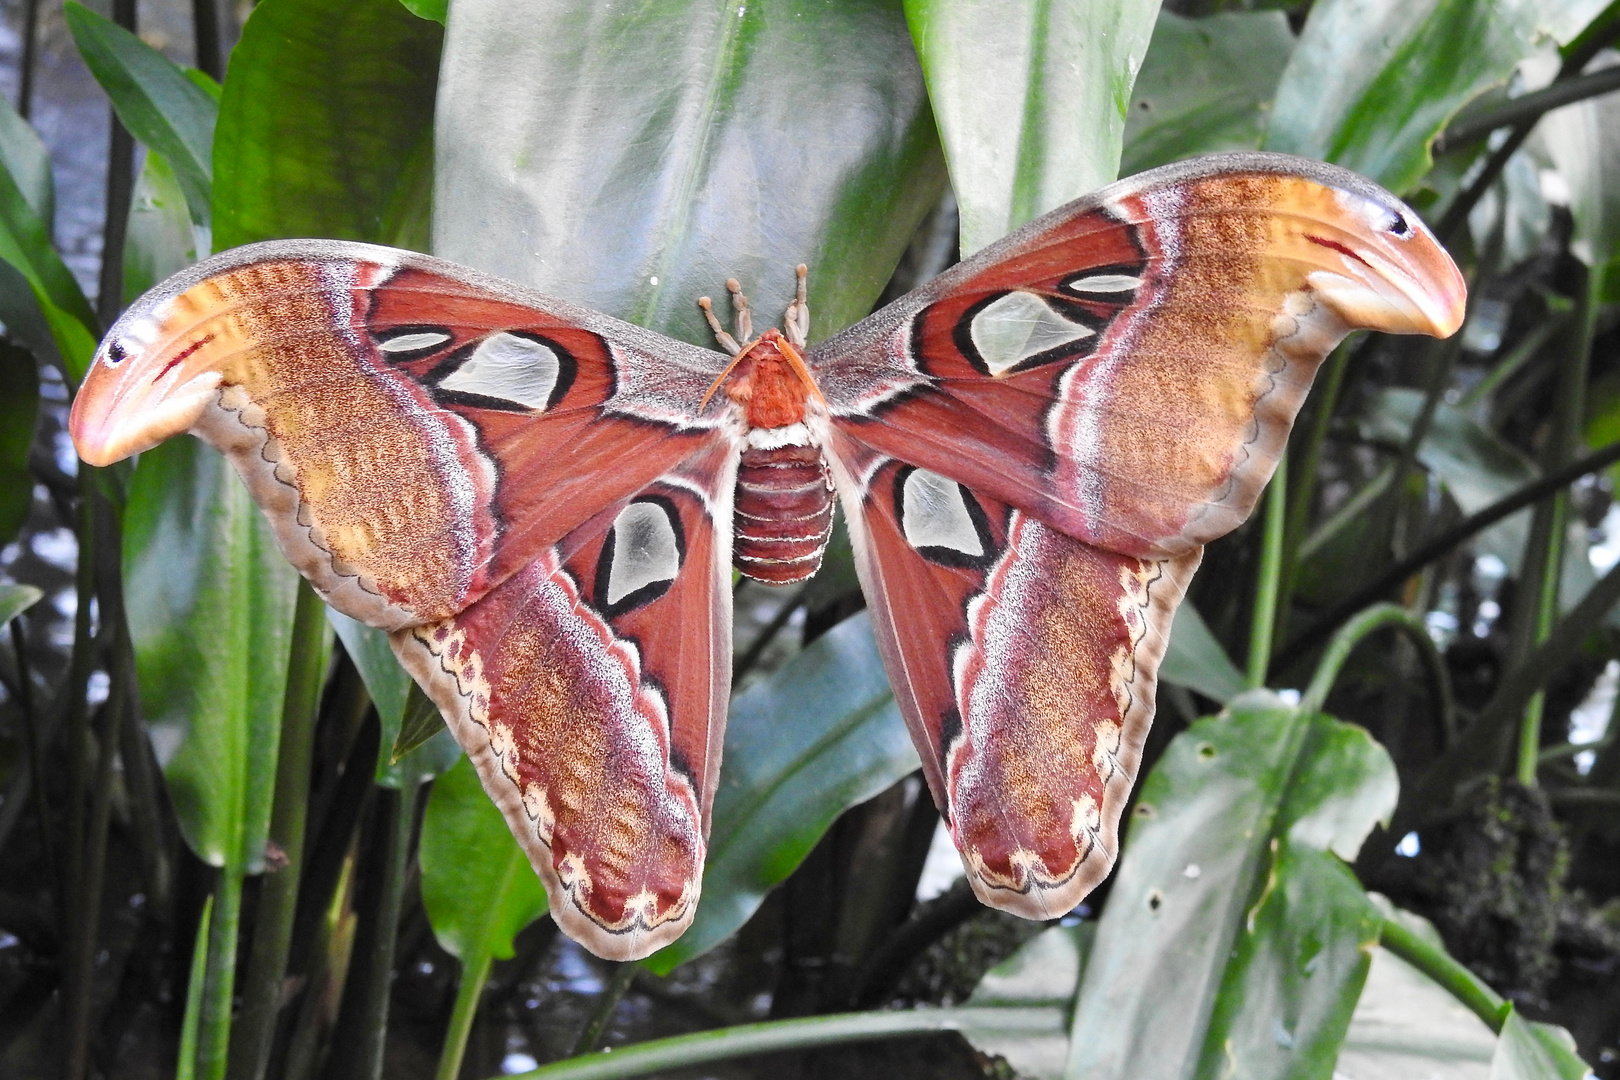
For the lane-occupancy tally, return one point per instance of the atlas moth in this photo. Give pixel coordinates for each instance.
(542, 504)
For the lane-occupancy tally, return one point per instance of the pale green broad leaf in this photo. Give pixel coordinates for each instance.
(477, 885)
(1235, 940)
(390, 690)
(28, 162)
(1031, 98)
(1206, 86)
(1583, 141)
(1530, 1051)
(819, 735)
(155, 98)
(326, 124)
(1194, 658)
(210, 607)
(16, 599)
(1043, 974)
(40, 302)
(1372, 82)
(161, 239)
(632, 158)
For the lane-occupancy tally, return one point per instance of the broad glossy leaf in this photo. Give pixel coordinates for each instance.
(1043, 974)
(28, 162)
(477, 885)
(1197, 661)
(1031, 97)
(1526, 1050)
(210, 607)
(634, 157)
(155, 99)
(325, 126)
(1407, 1027)
(390, 689)
(1584, 143)
(437, 10)
(16, 599)
(25, 243)
(821, 734)
(1372, 82)
(1206, 86)
(1234, 942)
(160, 240)
(19, 406)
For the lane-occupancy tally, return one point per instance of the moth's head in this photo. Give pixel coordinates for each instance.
(1374, 262)
(152, 377)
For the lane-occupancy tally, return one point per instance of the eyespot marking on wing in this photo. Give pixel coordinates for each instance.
(1105, 283)
(1019, 326)
(509, 370)
(642, 555)
(409, 342)
(941, 519)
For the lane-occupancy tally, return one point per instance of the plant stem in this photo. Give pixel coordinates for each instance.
(186, 1068)
(1303, 490)
(1564, 440)
(34, 745)
(1440, 545)
(473, 977)
(1528, 108)
(219, 983)
(775, 1036)
(278, 898)
(1521, 354)
(95, 871)
(398, 809)
(1438, 965)
(1369, 621)
(1264, 622)
(606, 1003)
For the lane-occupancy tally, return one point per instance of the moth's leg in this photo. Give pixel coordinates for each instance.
(727, 342)
(796, 323)
(741, 320)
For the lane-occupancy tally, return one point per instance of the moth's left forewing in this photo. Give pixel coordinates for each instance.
(1025, 663)
(589, 690)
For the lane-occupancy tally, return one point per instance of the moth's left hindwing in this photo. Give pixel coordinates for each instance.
(590, 691)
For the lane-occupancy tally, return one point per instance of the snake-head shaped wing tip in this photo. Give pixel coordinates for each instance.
(143, 386)
(1381, 268)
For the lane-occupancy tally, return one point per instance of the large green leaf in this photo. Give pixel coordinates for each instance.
(59, 319)
(1042, 975)
(1206, 85)
(477, 885)
(1195, 659)
(159, 104)
(325, 127)
(634, 157)
(1584, 143)
(1235, 940)
(160, 240)
(28, 162)
(1031, 99)
(210, 606)
(819, 735)
(1372, 82)
(390, 690)
(19, 406)
(16, 599)
(1532, 1051)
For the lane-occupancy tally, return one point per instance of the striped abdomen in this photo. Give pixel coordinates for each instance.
(784, 513)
